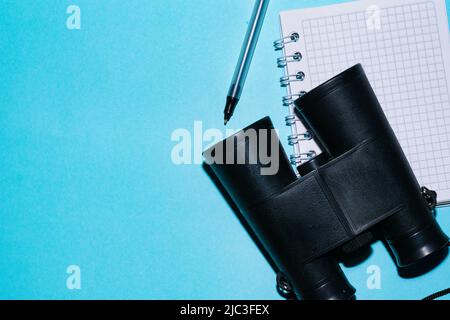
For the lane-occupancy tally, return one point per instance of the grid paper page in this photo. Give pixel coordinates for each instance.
(403, 46)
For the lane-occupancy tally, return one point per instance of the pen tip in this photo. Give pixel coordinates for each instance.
(229, 108)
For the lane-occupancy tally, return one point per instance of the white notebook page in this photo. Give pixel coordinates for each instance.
(403, 46)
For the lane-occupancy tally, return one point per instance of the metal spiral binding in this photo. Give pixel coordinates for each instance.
(280, 43)
(284, 60)
(286, 80)
(288, 100)
(296, 138)
(298, 158)
(290, 120)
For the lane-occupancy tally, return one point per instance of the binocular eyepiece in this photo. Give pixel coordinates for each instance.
(359, 184)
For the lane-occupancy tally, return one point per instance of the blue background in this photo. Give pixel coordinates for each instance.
(86, 118)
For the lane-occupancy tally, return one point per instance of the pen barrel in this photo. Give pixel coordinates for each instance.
(248, 47)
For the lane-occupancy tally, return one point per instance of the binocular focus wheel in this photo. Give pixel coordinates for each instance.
(284, 288)
(430, 197)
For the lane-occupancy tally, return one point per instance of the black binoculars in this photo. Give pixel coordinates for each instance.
(360, 184)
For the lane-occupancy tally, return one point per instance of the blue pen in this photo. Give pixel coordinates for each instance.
(245, 58)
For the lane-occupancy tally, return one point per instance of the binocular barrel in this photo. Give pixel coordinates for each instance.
(341, 114)
(240, 162)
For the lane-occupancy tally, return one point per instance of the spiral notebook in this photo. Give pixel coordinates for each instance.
(403, 46)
